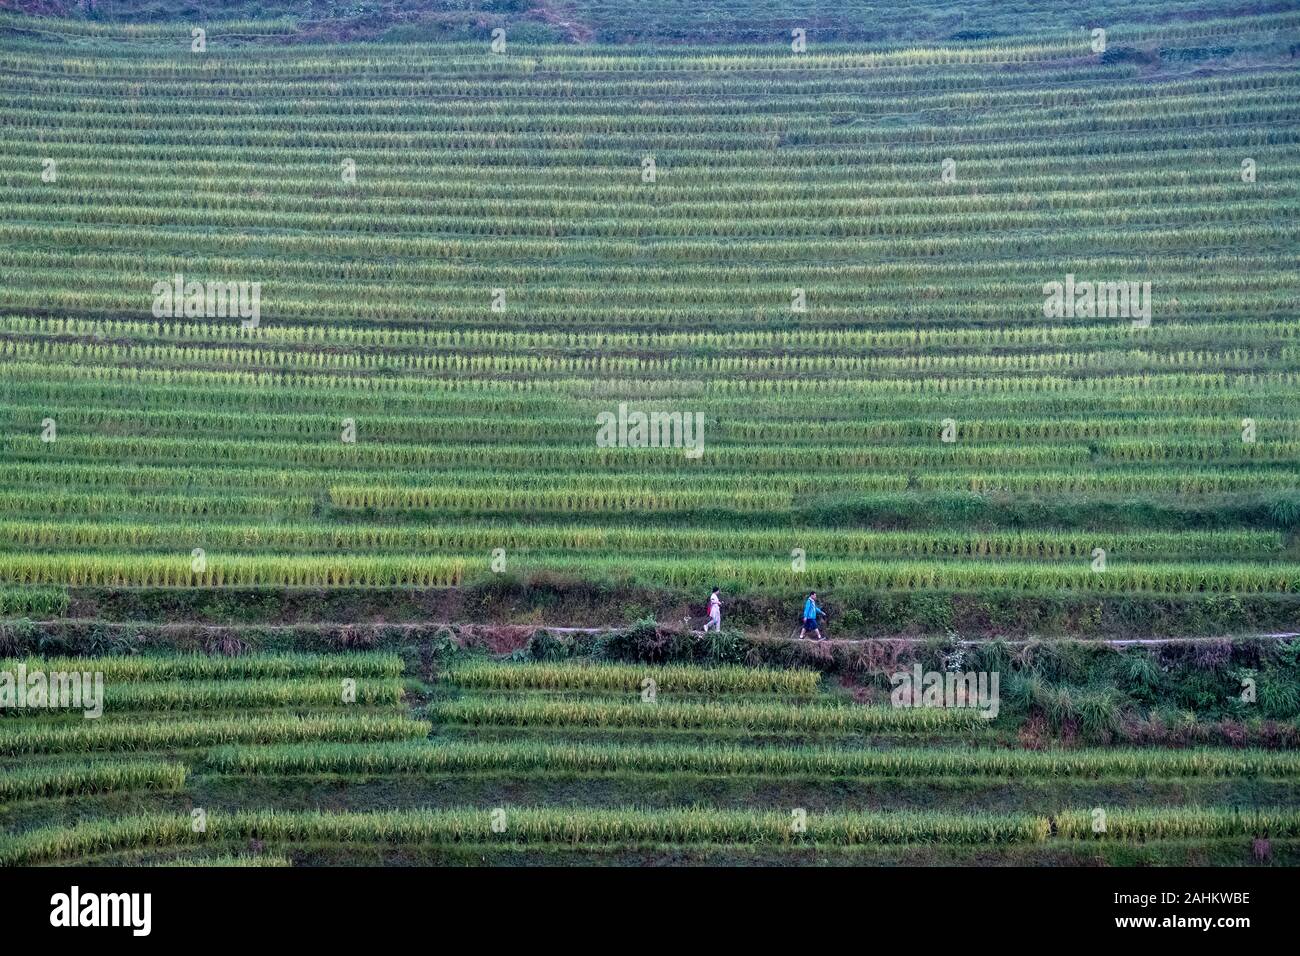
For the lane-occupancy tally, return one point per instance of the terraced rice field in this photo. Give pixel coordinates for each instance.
(861, 335)
(319, 333)
(524, 741)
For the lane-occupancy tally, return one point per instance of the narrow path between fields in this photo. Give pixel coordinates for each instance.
(527, 630)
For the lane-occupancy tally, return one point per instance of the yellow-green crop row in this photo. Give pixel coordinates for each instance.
(192, 667)
(217, 695)
(775, 172)
(230, 570)
(623, 827)
(471, 539)
(790, 341)
(918, 764)
(1178, 823)
(154, 734)
(27, 782)
(556, 826)
(698, 715)
(226, 570)
(632, 677)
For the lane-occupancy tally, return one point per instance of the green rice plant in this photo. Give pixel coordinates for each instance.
(695, 715)
(27, 782)
(38, 602)
(924, 302)
(920, 764)
(216, 696)
(742, 342)
(154, 734)
(46, 503)
(276, 666)
(628, 677)
(526, 826)
(462, 538)
(1180, 823)
(72, 27)
(228, 571)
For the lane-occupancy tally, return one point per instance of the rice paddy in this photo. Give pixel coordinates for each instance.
(380, 402)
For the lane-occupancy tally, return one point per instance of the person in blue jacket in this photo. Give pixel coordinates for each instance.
(810, 613)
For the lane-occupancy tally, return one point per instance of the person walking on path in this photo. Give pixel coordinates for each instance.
(810, 613)
(715, 612)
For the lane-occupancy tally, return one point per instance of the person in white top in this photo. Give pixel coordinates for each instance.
(715, 612)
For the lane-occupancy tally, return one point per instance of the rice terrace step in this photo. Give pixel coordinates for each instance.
(644, 435)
